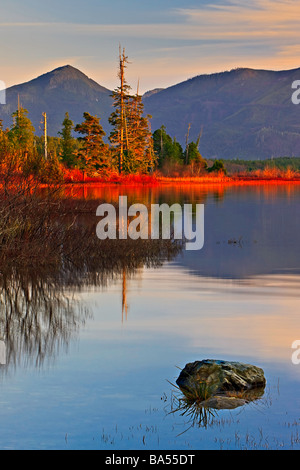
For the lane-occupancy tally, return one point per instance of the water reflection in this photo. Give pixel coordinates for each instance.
(187, 192)
(203, 414)
(37, 318)
(39, 310)
(249, 229)
(251, 233)
(238, 301)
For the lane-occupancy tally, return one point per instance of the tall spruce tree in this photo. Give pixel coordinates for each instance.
(118, 118)
(131, 136)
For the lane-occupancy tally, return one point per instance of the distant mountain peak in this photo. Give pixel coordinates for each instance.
(68, 71)
(65, 76)
(64, 89)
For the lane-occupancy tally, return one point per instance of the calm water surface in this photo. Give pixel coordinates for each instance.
(105, 382)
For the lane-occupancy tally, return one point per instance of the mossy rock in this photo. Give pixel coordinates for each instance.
(222, 377)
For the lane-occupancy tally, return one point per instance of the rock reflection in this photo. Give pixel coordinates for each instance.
(202, 413)
(39, 311)
(203, 387)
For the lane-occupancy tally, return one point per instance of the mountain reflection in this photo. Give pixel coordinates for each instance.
(39, 311)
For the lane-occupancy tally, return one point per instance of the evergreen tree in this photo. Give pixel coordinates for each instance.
(67, 142)
(6, 147)
(176, 154)
(22, 132)
(140, 141)
(168, 150)
(193, 156)
(94, 154)
(218, 167)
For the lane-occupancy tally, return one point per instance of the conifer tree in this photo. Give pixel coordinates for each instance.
(67, 142)
(168, 150)
(94, 154)
(22, 132)
(140, 142)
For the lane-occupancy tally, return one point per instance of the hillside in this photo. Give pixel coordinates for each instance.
(243, 113)
(64, 89)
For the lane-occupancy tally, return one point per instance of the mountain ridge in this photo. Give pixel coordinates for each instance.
(243, 113)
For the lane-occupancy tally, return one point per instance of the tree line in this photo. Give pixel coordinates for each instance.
(132, 147)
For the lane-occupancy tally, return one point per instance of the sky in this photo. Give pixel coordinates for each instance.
(166, 41)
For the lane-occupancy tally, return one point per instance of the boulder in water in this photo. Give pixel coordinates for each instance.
(221, 384)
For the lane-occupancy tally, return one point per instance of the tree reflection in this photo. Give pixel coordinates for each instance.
(39, 312)
(37, 316)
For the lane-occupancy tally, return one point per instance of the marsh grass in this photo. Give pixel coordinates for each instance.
(190, 403)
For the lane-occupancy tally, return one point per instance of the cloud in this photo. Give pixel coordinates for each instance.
(206, 39)
(231, 21)
(257, 18)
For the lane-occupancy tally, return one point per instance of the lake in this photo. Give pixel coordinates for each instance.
(92, 365)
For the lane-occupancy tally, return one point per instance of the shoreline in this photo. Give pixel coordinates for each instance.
(197, 181)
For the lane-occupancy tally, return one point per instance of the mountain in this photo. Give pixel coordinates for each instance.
(65, 89)
(243, 113)
(151, 92)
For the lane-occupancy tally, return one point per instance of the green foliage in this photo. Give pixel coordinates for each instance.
(22, 153)
(192, 154)
(167, 150)
(22, 131)
(54, 145)
(281, 163)
(67, 142)
(218, 167)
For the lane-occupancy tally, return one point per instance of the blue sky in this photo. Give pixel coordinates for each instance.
(167, 41)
